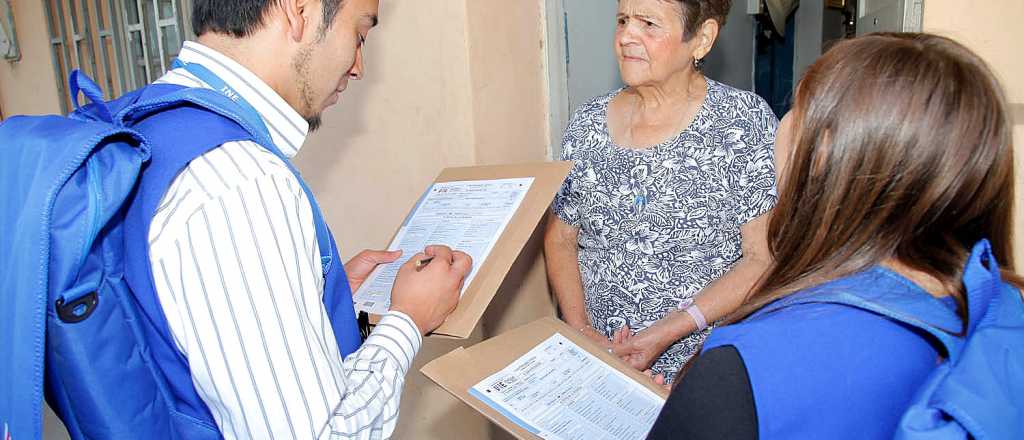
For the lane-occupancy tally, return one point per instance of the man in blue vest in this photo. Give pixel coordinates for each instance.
(233, 249)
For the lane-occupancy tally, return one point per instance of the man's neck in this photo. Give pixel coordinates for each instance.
(255, 55)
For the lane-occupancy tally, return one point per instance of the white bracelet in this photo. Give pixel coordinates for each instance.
(698, 317)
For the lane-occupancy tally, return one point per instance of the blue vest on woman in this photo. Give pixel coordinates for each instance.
(825, 370)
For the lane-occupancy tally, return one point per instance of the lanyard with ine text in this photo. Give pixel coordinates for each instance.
(253, 119)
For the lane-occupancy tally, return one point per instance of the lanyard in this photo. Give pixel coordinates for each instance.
(249, 114)
(253, 119)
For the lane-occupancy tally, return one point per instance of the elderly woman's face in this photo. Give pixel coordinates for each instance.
(649, 41)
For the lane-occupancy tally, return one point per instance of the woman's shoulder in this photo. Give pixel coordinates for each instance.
(738, 100)
(826, 358)
(809, 325)
(724, 92)
(597, 105)
(818, 317)
(586, 125)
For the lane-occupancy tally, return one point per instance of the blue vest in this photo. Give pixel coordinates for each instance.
(830, 371)
(169, 157)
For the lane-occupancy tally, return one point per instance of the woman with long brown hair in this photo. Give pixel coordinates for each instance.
(899, 161)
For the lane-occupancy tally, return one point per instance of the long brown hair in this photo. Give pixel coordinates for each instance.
(902, 150)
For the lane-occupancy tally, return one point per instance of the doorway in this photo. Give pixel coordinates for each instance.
(750, 54)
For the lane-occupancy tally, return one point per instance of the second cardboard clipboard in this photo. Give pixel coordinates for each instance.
(547, 179)
(462, 368)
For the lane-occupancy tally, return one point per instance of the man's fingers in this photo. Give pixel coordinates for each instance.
(462, 263)
(380, 257)
(416, 258)
(439, 252)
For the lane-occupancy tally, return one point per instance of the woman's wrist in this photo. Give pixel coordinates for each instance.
(683, 324)
(579, 324)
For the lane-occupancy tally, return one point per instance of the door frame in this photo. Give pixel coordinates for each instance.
(556, 68)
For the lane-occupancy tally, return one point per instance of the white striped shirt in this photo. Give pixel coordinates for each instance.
(236, 266)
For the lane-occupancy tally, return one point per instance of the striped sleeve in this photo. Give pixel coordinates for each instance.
(236, 269)
(375, 375)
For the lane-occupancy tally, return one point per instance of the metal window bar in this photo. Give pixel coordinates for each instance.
(76, 28)
(90, 48)
(159, 28)
(58, 48)
(114, 33)
(104, 39)
(168, 46)
(76, 34)
(85, 35)
(129, 30)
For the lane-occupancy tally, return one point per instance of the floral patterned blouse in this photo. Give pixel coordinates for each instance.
(658, 225)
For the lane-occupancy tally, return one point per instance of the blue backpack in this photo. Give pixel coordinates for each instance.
(978, 391)
(80, 318)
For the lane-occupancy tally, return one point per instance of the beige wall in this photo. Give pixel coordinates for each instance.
(448, 83)
(29, 85)
(994, 31)
(453, 83)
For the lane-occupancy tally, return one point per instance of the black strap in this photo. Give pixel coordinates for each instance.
(364, 325)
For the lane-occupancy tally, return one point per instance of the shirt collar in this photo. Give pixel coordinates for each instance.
(287, 128)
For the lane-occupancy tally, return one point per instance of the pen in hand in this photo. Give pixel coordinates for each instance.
(420, 264)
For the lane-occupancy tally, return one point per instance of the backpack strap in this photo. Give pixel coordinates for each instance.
(79, 82)
(900, 310)
(982, 282)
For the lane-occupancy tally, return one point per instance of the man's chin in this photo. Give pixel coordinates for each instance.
(314, 122)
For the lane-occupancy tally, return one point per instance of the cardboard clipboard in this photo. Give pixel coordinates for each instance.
(547, 179)
(462, 368)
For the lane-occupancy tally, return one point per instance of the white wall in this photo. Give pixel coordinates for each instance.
(590, 32)
(732, 59)
(808, 31)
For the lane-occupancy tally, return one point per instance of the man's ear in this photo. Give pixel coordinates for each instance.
(295, 13)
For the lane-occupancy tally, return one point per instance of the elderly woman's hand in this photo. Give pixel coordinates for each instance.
(658, 380)
(640, 350)
(597, 337)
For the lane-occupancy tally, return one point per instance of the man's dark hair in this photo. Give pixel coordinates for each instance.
(240, 18)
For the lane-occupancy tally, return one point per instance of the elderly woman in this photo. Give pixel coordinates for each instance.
(660, 226)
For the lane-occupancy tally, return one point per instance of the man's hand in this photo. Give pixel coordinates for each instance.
(360, 266)
(429, 293)
(640, 350)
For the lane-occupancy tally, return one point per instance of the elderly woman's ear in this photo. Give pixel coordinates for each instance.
(707, 34)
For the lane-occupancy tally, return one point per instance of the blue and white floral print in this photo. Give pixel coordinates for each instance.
(658, 225)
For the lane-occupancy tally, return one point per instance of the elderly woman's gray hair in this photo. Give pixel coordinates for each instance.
(696, 12)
